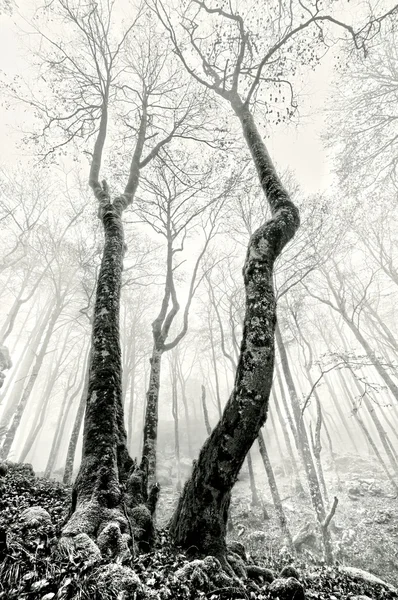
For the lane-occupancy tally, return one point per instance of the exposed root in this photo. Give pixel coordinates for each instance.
(115, 523)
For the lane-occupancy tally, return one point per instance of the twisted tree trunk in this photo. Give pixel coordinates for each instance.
(200, 519)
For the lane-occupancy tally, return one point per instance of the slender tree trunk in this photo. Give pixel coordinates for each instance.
(317, 446)
(40, 410)
(201, 515)
(365, 431)
(174, 406)
(42, 407)
(274, 491)
(61, 422)
(362, 340)
(304, 448)
(8, 324)
(286, 406)
(205, 411)
(130, 414)
(376, 421)
(21, 374)
(10, 435)
(285, 434)
(214, 362)
(186, 410)
(151, 413)
(274, 429)
(252, 480)
(70, 455)
(343, 419)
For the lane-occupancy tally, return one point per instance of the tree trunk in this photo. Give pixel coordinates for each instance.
(42, 406)
(70, 455)
(10, 435)
(151, 413)
(109, 487)
(63, 417)
(292, 456)
(366, 433)
(200, 519)
(252, 480)
(274, 491)
(304, 449)
(174, 408)
(214, 361)
(205, 411)
(376, 421)
(131, 404)
(21, 374)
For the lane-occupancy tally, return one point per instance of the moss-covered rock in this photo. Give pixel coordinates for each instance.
(118, 581)
(286, 589)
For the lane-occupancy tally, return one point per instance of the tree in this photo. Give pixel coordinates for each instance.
(365, 93)
(176, 198)
(234, 61)
(105, 80)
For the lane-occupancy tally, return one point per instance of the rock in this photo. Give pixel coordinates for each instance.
(256, 536)
(355, 489)
(306, 535)
(238, 548)
(286, 589)
(382, 516)
(255, 571)
(120, 582)
(35, 516)
(3, 469)
(114, 544)
(289, 571)
(80, 545)
(165, 480)
(360, 575)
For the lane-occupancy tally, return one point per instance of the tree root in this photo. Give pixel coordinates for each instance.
(112, 524)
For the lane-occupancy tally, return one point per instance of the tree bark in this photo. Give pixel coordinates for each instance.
(151, 413)
(109, 487)
(274, 491)
(200, 519)
(205, 411)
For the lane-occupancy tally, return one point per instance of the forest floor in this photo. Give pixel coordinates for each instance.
(364, 531)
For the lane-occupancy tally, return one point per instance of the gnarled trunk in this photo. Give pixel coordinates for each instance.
(109, 486)
(199, 522)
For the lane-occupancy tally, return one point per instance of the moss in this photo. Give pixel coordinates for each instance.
(116, 580)
(80, 546)
(35, 516)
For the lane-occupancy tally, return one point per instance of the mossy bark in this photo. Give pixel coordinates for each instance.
(109, 495)
(151, 412)
(199, 522)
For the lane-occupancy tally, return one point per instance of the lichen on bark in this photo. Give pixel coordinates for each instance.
(110, 503)
(199, 522)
